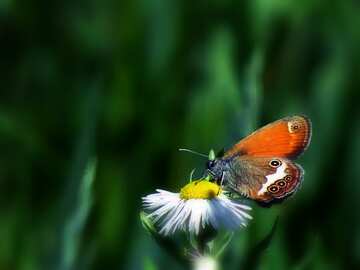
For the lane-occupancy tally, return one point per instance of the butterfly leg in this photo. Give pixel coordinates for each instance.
(191, 175)
(222, 178)
(210, 172)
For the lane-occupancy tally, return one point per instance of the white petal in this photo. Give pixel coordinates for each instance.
(171, 213)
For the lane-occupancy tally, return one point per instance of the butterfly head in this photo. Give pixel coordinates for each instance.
(215, 166)
(211, 164)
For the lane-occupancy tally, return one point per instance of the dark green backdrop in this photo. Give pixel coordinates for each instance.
(120, 85)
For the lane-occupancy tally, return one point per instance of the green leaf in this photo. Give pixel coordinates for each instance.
(147, 223)
(220, 243)
(169, 245)
(205, 238)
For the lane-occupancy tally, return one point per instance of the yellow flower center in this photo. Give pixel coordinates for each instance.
(200, 189)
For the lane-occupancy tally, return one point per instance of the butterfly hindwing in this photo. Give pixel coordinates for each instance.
(264, 179)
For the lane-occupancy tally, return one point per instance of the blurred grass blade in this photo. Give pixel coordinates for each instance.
(76, 201)
(252, 260)
(77, 220)
(252, 92)
(149, 264)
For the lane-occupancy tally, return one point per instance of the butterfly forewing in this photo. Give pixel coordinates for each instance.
(287, 137)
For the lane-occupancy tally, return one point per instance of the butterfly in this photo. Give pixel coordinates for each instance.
(261, 166)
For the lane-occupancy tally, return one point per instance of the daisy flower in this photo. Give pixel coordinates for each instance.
(198, 204)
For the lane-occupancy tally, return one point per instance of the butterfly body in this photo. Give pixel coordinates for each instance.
(261, 165)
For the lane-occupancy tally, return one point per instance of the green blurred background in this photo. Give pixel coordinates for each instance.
(96, 97)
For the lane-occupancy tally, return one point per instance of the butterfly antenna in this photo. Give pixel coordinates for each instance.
(193, 152)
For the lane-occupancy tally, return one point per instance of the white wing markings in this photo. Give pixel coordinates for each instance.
(271, 178)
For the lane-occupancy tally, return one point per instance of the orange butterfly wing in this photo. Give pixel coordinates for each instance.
(287, 137)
